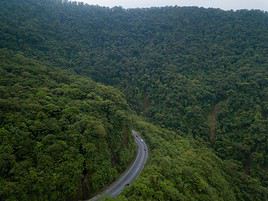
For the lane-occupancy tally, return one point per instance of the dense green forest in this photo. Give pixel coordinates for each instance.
(199, 73)
(183, 169)
(62, 137)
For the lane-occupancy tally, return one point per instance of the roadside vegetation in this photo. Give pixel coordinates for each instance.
(182, 169)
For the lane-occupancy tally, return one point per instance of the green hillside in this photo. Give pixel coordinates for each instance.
(199, 76)
(183, 170)
(62, 137)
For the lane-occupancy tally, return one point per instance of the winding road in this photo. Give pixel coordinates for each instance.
(130, 174)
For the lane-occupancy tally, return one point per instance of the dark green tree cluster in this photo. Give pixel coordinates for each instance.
(62, 137)
(242, 121)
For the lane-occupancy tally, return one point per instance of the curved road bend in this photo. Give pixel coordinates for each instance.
(130, 174)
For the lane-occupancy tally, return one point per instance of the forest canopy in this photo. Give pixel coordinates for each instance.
(200, 73)
(62, 137)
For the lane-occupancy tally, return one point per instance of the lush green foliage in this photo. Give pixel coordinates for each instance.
(183, 170)
(61, 136)
(200, 72)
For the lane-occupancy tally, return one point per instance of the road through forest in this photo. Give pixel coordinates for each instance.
(130, 174)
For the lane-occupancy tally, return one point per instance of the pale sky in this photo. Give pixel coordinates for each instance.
(223, 4)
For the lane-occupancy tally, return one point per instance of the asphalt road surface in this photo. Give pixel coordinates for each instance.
(130, 174)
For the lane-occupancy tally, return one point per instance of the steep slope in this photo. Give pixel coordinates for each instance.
(62, 137)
